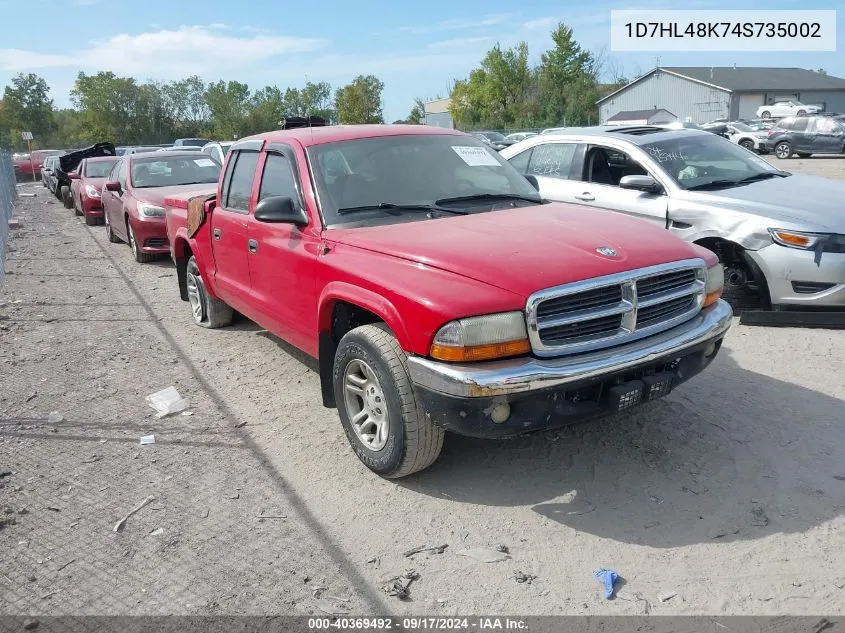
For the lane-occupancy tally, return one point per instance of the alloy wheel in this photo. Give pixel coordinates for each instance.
(366, 405)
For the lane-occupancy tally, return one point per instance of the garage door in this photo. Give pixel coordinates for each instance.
(748, 105)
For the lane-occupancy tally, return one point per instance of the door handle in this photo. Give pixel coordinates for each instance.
(216, 234)
(252, 245)
(586, 196)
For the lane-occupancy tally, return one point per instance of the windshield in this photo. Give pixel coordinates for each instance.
(695, 160)
(99, 169)
(494, 136)
(411, 170)
(170, 171)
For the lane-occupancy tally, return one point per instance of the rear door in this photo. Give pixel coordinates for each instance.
(281, 256)
(229, 228)
(602, 169)
(828, 135)
(555, 164)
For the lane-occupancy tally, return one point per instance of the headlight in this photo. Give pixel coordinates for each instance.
(482, 338)
(714, 284)
(150, 210)
(829, 243)
(91, 191)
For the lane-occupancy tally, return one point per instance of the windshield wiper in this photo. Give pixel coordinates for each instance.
(715, 184)
(396, 209)
(489, 196)
(765, 176)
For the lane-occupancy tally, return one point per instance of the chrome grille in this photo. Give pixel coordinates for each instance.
(606, 311)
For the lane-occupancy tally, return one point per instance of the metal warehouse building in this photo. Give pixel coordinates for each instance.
(704, 94)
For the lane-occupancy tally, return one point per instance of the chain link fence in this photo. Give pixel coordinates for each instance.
(8, 195)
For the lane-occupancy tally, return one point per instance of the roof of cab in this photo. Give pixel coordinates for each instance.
(308, 136)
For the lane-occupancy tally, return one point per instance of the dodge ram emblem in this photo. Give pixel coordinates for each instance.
(606, 251)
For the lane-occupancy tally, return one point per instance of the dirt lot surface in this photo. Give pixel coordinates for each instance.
(729, 495)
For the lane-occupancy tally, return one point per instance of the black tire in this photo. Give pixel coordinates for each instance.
(76, 208)
(57, 192)
(801, 113)
(783, 150)
(413, 443)
(140, 256)
(213, 313)
(114, 239)
(766, 114)
(747, 144)
(90, 220)
(65, 197)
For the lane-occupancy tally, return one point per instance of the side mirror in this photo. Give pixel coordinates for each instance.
(640, 183)
(113, 185)
(73, 176)
(279, 210)
(533, 180)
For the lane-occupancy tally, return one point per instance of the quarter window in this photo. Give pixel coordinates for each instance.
(240, 185)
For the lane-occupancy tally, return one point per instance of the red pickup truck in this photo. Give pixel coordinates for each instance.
(437, 290)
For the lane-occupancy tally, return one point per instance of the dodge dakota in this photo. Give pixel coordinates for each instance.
(437, 290)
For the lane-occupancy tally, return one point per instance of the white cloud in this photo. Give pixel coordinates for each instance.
(166, 53)
(492, 19)
(541, 23)
(460, 42)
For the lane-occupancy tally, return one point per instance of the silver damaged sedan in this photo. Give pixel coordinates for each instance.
(779, 234)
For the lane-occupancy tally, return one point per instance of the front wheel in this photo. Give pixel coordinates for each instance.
(65, 197)
(783, 150)
(114, 239)
(140, 256)
(766, 114)
(208, 311)
(749, 145)
(801, 113)
(382, 420)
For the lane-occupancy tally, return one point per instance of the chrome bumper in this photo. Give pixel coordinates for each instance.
(522, 375)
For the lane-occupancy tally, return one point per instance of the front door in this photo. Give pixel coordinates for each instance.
(281, 258)
(113, 200)
(229, 230)
(602, 169)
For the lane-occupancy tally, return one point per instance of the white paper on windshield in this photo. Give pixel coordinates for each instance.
(204, 162)
(476, 156)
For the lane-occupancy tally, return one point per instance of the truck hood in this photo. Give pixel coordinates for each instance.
(810, 201)
(158, 195)
(525, 249)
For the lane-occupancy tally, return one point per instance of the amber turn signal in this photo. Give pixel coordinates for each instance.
(712, 297)
(476, 353)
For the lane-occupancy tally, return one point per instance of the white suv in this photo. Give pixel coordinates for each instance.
(781, 109)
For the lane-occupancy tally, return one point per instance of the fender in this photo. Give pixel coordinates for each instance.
(367, 299)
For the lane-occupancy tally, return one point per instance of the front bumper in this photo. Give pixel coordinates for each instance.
(547, 393)
(151, 234)
(788, 270)
(91, 206)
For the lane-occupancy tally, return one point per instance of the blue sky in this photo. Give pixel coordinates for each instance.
(415, 48)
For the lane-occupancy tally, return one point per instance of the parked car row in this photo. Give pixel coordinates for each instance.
(435, 286)
(780, 236)
(807, 135)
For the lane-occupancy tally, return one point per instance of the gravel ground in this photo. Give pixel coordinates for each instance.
(729, 494)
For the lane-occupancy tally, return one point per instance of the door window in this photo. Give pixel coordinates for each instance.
(606, 166)
(553, 160)
(241, 178)
(278, 179)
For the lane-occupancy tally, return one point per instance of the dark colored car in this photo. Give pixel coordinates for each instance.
(134, 192)
(68, 164)
(807, 135)
(496, 139)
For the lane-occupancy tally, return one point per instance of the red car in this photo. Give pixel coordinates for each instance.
(28, 166)
(438, 290)
(133, 196)
(85, 186)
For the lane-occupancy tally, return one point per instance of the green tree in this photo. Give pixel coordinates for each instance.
(266, 110)
(27, 107)
(566, 81)
(417, 114)
(107, 105)
(185, 104)
(229, 104)
(360, 101)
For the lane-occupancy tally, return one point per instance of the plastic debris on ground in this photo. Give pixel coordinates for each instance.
(484, 555)
(167, 401)
(55, 417)
(608, 578)
(399, 586)
(148, 439)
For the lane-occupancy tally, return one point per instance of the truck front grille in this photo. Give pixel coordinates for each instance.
(606, 311)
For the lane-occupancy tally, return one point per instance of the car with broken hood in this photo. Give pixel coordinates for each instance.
(780, 236)
(134, 192)
(86, 182)
(68, 163)
(437, 290)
